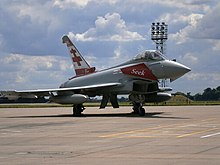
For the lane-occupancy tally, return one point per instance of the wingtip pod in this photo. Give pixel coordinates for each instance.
(65, 39)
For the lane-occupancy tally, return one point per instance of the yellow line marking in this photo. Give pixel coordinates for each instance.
(194, 133)
(140, 136)
(137, 131)
(117, 134)
(150, 130)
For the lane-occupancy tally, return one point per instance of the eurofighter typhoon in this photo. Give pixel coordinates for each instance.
(138, 78)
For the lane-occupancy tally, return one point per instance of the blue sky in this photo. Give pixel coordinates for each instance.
(106, 32)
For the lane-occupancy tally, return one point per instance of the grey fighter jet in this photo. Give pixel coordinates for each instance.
(138, 78)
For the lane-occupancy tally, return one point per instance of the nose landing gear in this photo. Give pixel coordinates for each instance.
(137, 101)
(138, 109)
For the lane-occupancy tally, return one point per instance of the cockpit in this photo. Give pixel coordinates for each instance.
(149, 55)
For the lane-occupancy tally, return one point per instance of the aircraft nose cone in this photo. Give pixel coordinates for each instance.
(169, 70)
(174, 70)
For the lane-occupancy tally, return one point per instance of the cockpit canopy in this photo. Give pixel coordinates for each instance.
(149, 55)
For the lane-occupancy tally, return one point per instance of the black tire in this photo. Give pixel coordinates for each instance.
(77, 110)
(141, 111)
(136, 107)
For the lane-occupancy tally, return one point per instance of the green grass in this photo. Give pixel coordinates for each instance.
(97, 104)
(195, 103)
(32, 105)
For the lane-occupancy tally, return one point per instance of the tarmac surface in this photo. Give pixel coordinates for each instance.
(182, 135)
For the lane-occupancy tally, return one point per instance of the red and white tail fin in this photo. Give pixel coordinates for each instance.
(79, 63)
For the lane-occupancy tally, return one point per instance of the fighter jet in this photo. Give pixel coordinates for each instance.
(138, 78)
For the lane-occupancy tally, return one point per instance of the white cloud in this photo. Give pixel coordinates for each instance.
(204, 77)
(36, 14)
(194, 25)
(28, 71)
(20, 79)
(187, 4)
(216, 45)
(108, 28)
(70, 3)
(185, 33)
(117, 53)
(190, 58)
(208, 26)
(91, 59)
(64, 4)
(30, 62)
(192, 5)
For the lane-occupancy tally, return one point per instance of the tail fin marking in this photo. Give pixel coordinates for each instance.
(80, 65)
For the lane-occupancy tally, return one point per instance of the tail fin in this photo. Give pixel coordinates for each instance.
(79, 63)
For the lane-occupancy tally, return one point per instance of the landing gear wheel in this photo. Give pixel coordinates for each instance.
(138, 109)
(78, 109)
(135, 111)
(135, 108)
(141, 111)
(137, 101)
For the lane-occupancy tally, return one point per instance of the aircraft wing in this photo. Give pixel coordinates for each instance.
(47, 92)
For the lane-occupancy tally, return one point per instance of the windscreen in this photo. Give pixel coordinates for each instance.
(152, 55)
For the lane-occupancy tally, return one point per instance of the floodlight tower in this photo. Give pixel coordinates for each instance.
(159, 36)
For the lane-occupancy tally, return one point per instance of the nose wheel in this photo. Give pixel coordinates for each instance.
(137, 101)
(138, 109)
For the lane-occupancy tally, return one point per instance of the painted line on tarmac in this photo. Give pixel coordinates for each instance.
(210, 135)
(195, 133)
(137, 136)
(177, 126)
(136, 131)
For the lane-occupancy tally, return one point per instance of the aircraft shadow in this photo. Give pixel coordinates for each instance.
(147, 115)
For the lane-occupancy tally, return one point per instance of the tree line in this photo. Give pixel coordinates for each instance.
(208, 94)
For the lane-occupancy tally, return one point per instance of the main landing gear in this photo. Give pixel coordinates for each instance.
(78, 109)
(137, 101)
